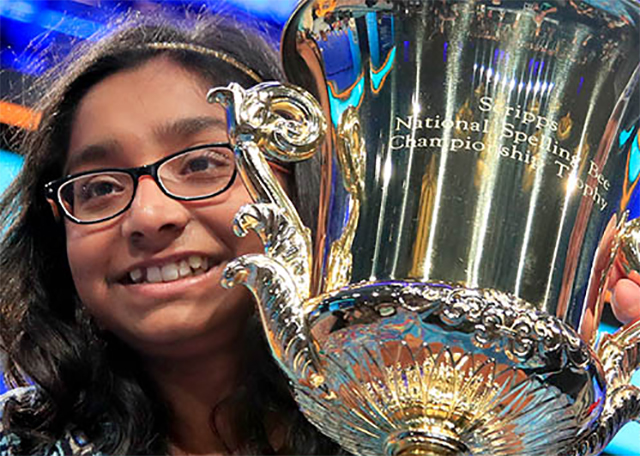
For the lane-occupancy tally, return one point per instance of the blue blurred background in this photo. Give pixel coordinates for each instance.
(27, 28)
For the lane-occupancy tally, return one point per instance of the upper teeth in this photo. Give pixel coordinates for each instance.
(168, 272)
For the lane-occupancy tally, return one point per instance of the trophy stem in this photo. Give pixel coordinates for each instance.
(425, 443)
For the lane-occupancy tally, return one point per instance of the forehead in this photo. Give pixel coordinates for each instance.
(138, 107)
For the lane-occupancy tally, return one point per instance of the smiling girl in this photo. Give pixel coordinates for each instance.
(117, 232)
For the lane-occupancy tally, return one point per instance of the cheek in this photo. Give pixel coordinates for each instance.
(88, 262)
(219, 220)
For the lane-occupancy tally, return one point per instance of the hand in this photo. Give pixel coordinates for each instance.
(623, 288)
(619, 288)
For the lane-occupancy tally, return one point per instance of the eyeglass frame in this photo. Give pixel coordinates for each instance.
(52, 189)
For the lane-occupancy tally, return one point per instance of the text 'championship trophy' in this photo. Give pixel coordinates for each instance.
(478, 161)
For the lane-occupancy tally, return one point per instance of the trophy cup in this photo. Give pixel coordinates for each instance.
(474, 186)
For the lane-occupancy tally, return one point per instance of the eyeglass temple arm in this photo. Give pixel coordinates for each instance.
(49, 194)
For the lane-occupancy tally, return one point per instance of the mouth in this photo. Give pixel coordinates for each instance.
(170, 271)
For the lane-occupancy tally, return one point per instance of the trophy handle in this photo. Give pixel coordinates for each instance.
(620, 356)
(287, 124)
(620, 351)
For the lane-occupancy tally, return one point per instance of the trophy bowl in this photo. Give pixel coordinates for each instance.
(475, 181)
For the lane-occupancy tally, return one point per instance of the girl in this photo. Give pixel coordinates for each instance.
(110, 291)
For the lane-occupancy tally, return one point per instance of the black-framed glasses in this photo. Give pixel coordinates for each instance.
(192, 174)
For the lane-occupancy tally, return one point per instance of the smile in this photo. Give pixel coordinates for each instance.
(194, 265)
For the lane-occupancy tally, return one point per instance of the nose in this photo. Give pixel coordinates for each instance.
(154, 220)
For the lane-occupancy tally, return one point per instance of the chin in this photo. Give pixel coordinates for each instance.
(185, 337)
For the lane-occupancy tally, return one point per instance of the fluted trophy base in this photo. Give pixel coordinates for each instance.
(437, 369)
(431, 442)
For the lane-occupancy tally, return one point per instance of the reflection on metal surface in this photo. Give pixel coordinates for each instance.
(351, 151)
(499, 110)
(288, 125)
(471, 215)
(399, 375)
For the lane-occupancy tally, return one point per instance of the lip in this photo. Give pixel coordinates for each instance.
(176, 288)
(123, 276)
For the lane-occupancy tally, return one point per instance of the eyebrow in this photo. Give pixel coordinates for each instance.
(190, 126)
(91, 153)
(178, 129)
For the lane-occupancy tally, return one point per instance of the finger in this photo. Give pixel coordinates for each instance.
(587, 325)
(626, 300)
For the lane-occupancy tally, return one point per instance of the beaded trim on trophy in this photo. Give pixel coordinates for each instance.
(497, 319)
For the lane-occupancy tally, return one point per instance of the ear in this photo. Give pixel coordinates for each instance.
(54, 209)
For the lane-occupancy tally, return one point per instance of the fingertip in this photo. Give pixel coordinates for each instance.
(626, 300)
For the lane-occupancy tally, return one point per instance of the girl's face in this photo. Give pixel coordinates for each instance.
(133, 118)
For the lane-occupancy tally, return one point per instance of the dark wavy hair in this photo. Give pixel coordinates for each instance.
(88, 380)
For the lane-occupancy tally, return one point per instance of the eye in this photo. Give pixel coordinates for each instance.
(198, 164)
(97, 187)
(208, 160)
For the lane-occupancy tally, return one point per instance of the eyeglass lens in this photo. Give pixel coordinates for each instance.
(198, 173)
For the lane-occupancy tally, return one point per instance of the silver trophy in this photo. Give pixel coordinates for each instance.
(474, 197)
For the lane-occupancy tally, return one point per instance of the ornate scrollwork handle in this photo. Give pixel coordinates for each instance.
(620, 356)
(620, 352)
(285, 121)
(286, 124)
